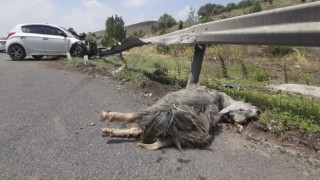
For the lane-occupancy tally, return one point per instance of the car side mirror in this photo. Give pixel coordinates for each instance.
(63, 34)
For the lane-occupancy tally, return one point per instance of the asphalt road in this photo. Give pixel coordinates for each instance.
(45, 133)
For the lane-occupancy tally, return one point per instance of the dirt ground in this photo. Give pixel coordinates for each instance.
(311, 92)
(256, 135)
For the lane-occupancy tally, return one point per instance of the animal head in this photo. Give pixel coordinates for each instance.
(240, 112)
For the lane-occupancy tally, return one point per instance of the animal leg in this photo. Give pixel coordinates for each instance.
(117, 116)
(156, 145)
(132, 132)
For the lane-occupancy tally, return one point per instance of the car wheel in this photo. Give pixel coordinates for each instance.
(37, 57)
(77, 51)
(16, 52)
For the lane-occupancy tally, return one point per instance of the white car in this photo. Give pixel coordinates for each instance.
(3, 41)
(38, 40)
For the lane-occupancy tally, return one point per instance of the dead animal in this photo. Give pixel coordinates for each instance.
(185, 118)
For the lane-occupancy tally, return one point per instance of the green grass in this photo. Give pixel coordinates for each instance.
(137, 77)
(178, 71)
(110, 62)
(286, 121)
(75, 61)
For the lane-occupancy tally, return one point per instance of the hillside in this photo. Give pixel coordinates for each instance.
(144, 26)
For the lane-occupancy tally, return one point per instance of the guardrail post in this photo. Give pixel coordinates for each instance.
(199, 51)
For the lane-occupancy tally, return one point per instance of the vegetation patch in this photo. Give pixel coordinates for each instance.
(137, 77)
(280, 122)
(75, 61)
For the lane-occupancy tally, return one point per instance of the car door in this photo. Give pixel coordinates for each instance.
(56, 43)
(32, 38)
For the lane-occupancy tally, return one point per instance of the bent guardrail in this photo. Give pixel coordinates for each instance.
(295, 26)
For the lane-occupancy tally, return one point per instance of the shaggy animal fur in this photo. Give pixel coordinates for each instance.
(185, 118)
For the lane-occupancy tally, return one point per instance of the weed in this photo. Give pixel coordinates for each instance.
(137, 77)
(75, 61)
(277, 51)
(256, 7)
(259, 74)
(281, 121)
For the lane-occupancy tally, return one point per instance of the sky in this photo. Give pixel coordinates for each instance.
(90, 15)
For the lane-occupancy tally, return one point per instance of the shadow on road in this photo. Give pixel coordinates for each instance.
(49, 58)
(118, 141)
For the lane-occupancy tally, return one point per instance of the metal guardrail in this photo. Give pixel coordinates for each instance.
(292, 26)
(295, 26)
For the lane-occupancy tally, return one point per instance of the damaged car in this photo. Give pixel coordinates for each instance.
(38, 40)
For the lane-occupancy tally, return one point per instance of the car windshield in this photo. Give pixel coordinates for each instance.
(3, 38)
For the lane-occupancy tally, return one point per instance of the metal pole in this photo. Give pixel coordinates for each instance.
(199, 51)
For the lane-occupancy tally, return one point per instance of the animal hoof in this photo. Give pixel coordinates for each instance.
(107, 132)
(103, 116)
(104, 134)
(239, 128)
